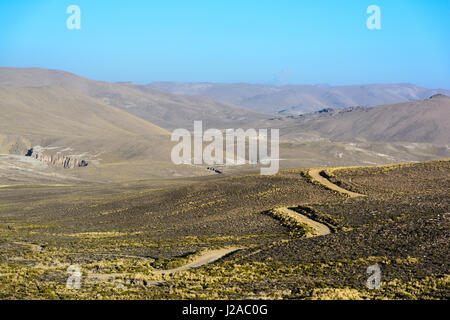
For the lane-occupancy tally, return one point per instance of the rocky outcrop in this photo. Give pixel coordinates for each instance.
(67, 162)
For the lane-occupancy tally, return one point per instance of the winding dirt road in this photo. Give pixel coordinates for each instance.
(202, 259)
(205, 258)
(319, 228)
(315, 176)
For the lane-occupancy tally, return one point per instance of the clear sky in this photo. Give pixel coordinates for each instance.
(256, 41)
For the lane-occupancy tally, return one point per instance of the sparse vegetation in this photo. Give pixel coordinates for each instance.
(121, 236)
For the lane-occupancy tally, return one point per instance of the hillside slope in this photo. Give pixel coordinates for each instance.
(425, 121)
(68, 123)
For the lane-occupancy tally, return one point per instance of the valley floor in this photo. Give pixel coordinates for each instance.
(301, 234)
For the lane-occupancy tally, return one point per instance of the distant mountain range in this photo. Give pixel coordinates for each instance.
(164, 109)
(123, 130)
(299, 99)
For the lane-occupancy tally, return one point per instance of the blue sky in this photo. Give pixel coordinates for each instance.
(277, 41)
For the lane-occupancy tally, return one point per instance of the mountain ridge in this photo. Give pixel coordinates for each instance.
(164, 109)
(299, 99)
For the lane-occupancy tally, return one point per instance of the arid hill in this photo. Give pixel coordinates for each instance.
(65, 123)
(425, 121)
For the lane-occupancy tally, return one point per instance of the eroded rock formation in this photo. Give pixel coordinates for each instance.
(67, 162)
